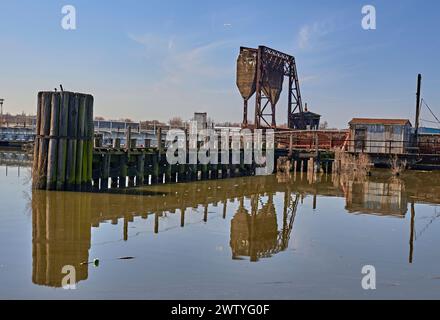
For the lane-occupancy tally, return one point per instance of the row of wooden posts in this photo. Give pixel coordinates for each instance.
(129, 167)
(118, 168)
(63, 149)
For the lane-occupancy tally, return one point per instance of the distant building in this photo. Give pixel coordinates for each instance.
(115, 125)
(202, 121)
(201, 118)
(380, 135)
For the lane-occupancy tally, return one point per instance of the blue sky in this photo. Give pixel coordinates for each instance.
(159, 59)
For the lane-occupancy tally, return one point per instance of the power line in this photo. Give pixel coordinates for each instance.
(424, 102)
(429, 121)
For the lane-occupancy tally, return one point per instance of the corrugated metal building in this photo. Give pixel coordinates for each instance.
(380, 135)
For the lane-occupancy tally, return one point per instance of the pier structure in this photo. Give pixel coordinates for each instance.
(68, 156)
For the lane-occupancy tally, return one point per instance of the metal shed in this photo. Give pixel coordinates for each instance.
(380, 135)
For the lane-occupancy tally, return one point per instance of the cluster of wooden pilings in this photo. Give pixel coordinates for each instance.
(63, 149)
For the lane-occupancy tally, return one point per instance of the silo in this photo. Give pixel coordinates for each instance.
(273, 83)
(246, 76)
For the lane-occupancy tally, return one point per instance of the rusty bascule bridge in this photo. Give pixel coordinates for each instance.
(261, 72)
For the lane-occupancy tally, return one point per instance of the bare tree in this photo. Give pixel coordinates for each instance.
(176, 122)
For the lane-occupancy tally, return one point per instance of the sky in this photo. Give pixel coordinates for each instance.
(160, 59)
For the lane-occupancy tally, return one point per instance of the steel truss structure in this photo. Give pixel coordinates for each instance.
(268, 60)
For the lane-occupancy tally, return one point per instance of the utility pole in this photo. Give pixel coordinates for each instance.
(1, 106)
(419, 85)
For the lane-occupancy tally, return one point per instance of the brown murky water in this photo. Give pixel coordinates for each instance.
(256, 237)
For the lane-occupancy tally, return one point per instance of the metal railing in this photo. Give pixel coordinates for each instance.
(357, 146)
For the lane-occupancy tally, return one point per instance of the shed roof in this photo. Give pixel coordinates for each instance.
(401, 122)
(307, 114)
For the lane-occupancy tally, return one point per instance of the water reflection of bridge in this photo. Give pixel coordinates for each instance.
(62, 221)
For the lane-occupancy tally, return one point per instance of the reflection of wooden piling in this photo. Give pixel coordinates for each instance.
(411, 237)
(156, 222)
(60, 236)
(125, 229)
(182, 217)
(64, 147)
(205, 214)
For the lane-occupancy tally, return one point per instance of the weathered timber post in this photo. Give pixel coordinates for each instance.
(53, 142)
(62, 144)
(155, 168)
(88, 145)
(182, 172)
(35, 172)
(117, 143)
(105, 171)
(158, 170)
(64, 147)
(140, 169)
(148, 168)
(169, 173)
(123, 159)
(40, 174)
(97, 140)
(72, 145)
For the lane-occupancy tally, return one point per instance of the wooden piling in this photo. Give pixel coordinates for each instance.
(105, 171)
(35, 168)
(155, 169)
(72, 144)
(62, 143)
(86, 180)
(123, 171)
(80, 142)
(53, 142)
(140, 170)
(40, 176)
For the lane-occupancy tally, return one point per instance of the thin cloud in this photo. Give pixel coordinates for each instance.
(310, 34)
(183, 72)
